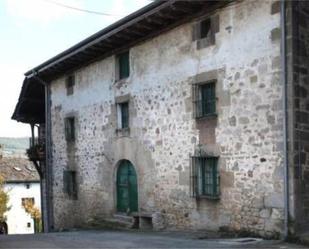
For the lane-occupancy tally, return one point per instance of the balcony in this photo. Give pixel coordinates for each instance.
(36, 152)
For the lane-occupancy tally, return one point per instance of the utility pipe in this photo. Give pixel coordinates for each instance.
(285, 118)
(48, 169)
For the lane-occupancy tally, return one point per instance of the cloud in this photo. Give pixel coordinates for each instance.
(41, 10)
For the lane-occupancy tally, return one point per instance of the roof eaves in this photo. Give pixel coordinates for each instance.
(124, 22)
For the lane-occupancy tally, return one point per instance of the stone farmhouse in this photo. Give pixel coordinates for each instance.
(188, 115)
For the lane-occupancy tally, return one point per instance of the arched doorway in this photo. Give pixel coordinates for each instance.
(127, 195)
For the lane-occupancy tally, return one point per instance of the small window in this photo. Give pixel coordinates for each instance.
(70, 129)
(205, 177)
(70, 82)
(69, 183)
(205, 28)
(123, 61)
(28, 224)
(123, 115)
(25, 201)
(27, 185)
(204, 31)
(204, 98)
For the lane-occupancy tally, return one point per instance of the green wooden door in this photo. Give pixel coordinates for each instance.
(126, 188)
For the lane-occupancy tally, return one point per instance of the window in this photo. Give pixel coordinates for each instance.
(204, 98)
(70, 129)
(69, 183)
(70, 82)
(27, 185)
(123, 115)
(25, 201)
(204, 31)
(28, 224)
(205, 177)
(205, 28)
(123, 65)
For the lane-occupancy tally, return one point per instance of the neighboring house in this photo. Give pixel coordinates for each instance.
(183, 115)
(21, 182)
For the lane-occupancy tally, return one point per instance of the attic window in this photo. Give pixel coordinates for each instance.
(205, 28)
(204, 31)
(123, 65)
(70, 82)
(17, 168)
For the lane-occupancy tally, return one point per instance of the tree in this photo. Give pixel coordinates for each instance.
(35, 214)
(4, 199)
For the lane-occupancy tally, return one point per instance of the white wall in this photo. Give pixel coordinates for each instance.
(17, 218)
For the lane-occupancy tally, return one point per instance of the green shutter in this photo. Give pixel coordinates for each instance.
(207, 99)
(124, 65)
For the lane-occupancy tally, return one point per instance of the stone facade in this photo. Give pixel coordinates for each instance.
(297, 54)
(246, 134)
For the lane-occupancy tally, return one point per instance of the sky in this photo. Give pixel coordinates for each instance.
(32, 31)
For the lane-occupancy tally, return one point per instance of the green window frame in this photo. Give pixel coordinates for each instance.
(70, 129)
(124, 109)
(205, 177)
(124, 65)
(70, 183)
(205, 99)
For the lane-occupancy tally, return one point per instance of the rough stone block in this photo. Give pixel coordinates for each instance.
(227, 179)
(275, 34)
(275, 7)
(265, 213)
(274, 200)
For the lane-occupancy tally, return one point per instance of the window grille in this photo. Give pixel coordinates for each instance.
(205, 179)
(204, 99)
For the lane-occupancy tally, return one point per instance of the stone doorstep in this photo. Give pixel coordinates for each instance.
(141, 214)
(123, 217)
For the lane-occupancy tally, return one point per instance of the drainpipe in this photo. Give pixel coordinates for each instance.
(48, 169)
(285, 119)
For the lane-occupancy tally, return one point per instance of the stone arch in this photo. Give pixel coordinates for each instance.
(129, 149)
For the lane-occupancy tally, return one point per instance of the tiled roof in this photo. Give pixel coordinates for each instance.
(18, 170)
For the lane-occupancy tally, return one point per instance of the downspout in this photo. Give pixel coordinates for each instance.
(285, 118)
(48, 169)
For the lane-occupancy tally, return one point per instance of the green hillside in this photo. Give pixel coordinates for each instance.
(14, 144)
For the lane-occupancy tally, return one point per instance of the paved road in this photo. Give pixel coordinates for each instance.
(120, 239)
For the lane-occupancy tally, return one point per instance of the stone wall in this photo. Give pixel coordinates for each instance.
(246, 134)
(298, 63)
